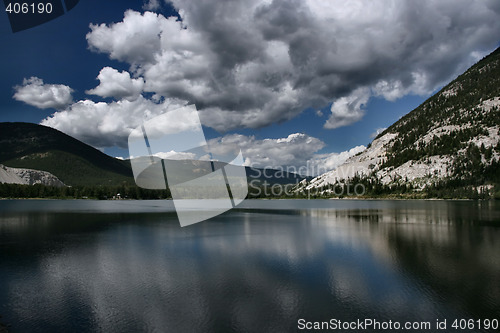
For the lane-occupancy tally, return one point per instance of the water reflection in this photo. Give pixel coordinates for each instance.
(259, 268)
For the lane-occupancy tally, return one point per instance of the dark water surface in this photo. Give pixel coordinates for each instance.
(127, 266)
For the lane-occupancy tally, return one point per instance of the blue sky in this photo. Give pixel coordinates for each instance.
(258, 71)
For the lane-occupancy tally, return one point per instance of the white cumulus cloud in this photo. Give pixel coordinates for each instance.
(34, 92)
(135, 40)
(294, 150)
(298, 152)
(322, 163)
(349, 109)
(117, 85)
(106, 124)
(377, 132)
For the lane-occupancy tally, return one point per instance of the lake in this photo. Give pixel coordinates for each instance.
(267, 266)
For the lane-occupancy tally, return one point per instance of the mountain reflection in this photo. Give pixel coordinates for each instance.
(248, 269)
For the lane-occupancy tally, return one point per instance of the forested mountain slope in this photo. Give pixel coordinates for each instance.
(449, 143)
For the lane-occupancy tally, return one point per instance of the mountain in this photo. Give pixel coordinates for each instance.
(447, 146)
(31, 146)
(29, 152)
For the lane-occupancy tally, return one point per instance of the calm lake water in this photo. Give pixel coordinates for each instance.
(127, 266)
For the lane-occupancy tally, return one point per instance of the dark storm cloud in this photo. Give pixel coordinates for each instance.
(254, 63)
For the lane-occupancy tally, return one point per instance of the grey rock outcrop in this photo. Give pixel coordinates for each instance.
(28, 177)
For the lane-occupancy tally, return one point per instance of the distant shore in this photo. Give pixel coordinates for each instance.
(272, 198)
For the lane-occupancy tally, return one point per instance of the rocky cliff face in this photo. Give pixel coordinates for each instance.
(28, 177)
(451, 138)
(7, 176)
